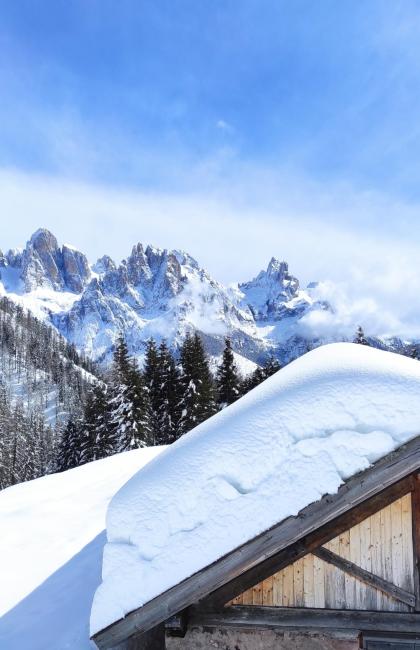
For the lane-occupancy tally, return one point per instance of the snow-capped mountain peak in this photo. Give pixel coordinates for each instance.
(44, 264)
(267, 294)
(161, 294)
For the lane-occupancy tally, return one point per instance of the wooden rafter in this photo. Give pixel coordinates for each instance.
(367, 577)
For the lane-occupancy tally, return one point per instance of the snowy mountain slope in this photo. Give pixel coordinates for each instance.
(294, 438)
(38, 368)
(51, 552)
(163, 294)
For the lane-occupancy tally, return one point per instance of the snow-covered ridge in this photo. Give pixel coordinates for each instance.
(295, 437)
(154, 292)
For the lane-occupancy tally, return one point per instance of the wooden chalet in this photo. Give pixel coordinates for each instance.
(342, 574)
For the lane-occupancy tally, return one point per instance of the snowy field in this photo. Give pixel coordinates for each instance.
(51, 543)
(295, 437)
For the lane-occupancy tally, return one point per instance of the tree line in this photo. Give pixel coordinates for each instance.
(155, 405)
(42, 380)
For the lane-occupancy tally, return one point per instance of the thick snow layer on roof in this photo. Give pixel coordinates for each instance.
(51, 543)
(294, 438)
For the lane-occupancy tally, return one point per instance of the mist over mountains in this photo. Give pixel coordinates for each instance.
(164, 294)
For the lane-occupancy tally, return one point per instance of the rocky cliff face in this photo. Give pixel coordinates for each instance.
(44, 264)
(159, 293)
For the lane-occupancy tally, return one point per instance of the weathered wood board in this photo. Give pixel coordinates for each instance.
(382, 545)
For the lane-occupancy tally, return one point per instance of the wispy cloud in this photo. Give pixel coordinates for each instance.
(331, 234)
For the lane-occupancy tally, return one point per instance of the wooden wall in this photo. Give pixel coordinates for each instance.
(382, 544)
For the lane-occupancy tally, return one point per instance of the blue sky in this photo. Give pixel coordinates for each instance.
(236, 129)
(120, 91)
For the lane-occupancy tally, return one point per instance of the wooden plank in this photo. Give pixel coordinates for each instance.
(288, 587)
(319, 582)
(239, 569)
(257, 595)
(308, 581)
(267, 589)
(278, 588)
(307, 619)
(396, 547)
(349, 581)
(366, 576)
(247, 597)
(415, 497)
(407, 544)
(376, 558)
(355, 559)
(298, 580)
(330, 573)
(368, 593)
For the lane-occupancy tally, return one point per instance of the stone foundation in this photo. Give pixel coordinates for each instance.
(201, 639)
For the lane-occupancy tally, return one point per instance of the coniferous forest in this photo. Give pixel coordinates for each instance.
(58, 410)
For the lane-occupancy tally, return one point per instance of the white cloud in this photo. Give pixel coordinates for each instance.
(234, 226)
(224, 126)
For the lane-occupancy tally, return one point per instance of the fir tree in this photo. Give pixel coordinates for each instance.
(228, 380)
(259, 375)
(360, 337)
(168, 414)
(70, 447)
(88, 448)
(198, 398)
(413, 352)
(271, 367)
(153, 381)
(131, 413)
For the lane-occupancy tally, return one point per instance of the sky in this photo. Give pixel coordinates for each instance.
(234, 129)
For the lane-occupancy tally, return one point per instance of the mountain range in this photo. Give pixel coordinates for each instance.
(163, 294)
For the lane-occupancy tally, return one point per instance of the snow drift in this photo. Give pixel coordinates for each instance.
(51, 542)
(294, 438)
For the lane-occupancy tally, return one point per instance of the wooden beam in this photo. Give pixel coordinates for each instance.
(383, 474)
(247, 616)
(415, 505)
(177, 625)
(307, 544)
(368, 578)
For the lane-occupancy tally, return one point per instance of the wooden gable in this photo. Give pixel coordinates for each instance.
(381, 545)
(369, 501)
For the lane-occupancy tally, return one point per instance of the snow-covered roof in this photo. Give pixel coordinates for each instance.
(291, 440)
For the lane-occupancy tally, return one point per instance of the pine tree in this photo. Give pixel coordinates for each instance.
(259, 375)
(88, 448)
(198, 398)
(228, 380)
(360, 337)
(413, 352)
(5, 438)
(168, 414)
(70, 447)
(271, 367)
(130, 404)
(153, 381)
